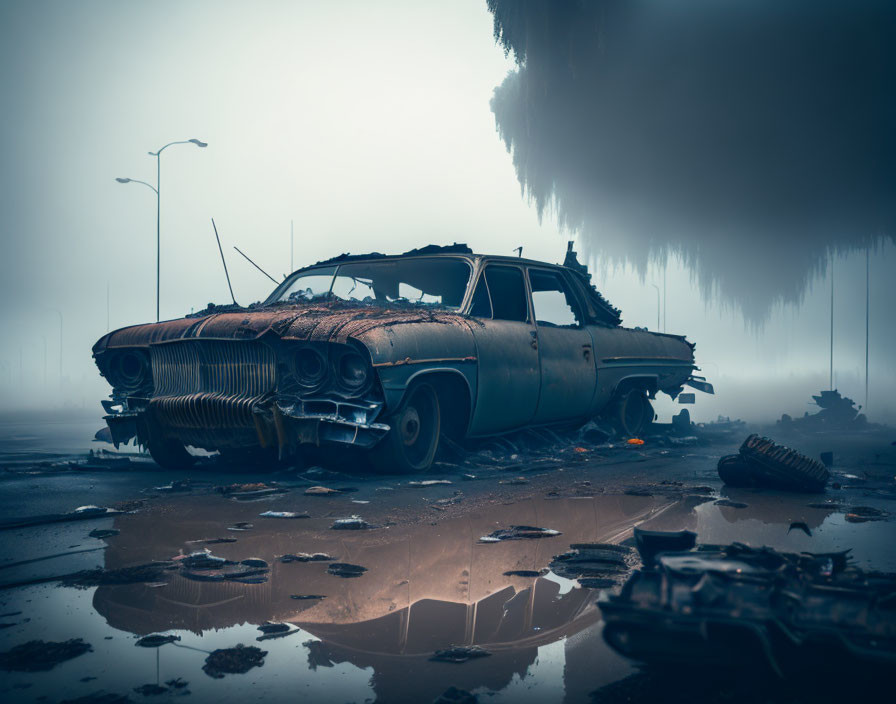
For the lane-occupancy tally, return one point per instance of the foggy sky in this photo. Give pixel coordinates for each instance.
(751, 138)
(369, 125)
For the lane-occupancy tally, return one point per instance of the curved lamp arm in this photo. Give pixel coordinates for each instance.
(134, 180)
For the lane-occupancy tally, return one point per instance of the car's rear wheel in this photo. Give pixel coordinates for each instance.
(413, 438)
(169, 453)
(632, 413)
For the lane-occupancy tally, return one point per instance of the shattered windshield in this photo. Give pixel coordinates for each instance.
(436, 282)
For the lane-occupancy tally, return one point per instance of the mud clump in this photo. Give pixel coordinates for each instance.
(40, 656)
(233, 661)
(346, 570)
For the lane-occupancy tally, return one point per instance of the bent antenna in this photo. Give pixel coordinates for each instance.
(224, 262)
(256, 265)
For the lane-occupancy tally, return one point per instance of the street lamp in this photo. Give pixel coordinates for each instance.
(157, 189)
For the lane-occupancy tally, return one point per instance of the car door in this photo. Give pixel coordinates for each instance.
(565, 349)
(506, 349)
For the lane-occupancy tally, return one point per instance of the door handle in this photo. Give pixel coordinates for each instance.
(534, 341)
(586, 352)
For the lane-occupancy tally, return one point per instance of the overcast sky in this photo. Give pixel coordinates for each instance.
(367, 124)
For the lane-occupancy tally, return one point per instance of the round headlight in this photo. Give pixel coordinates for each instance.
(352, 370)
(129, 371)
(310, 367)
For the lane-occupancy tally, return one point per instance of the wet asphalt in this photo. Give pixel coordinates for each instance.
(428, 582)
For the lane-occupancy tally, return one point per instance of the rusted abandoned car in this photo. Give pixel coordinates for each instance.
(388, 354)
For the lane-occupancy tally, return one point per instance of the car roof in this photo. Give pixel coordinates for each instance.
(450, 251)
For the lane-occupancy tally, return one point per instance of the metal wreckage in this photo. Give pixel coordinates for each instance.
(388, 354)
(739, 607)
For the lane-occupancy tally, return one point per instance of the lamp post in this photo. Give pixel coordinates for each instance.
(157, 189)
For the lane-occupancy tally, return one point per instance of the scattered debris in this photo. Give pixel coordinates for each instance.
(307, 557)
(214, 541)
(233, 661)
(350, 523)
(40, 656)
(763, 463)
(103, 533)
(156, 640)
(459, 654)
(201, 560)
(604, 561)
(428, 482)
(862, 514)
(283, 514)
(515, 481)
(519, 533)
(306, 597)
(82, 513)
(634, 441)
(345, 569)
(320, 491)
(241, 526)
(797, 613)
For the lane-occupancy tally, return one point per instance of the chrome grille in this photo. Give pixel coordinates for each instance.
(210, 383)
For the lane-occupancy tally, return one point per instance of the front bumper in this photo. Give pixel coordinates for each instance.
(213, 422)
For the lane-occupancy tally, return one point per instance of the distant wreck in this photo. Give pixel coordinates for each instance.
(837, 413)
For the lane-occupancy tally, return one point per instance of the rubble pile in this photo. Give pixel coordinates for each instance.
(742, 607)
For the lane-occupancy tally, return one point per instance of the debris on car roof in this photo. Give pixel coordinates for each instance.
(420, 251)
(763, 463)
(736, 605)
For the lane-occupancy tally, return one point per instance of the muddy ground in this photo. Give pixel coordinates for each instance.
(429, 582)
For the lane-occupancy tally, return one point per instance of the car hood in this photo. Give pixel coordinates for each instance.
(330, 322)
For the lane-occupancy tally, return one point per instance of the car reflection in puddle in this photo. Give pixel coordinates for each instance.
(427, 587)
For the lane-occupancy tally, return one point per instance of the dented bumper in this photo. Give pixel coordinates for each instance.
(213, 422)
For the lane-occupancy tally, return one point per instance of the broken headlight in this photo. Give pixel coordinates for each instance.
(352, 371)
(130, 371)
(309, 367)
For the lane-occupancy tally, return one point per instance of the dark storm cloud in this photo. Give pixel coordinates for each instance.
(751, 138)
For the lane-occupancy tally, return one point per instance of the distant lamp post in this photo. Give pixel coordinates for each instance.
(157, 189)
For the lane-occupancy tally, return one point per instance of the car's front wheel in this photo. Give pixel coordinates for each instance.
(413, 438)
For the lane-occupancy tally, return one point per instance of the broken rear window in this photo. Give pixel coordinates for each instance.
(437, 282)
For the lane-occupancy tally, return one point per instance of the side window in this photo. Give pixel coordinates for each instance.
(508, 293)
(481, 306)
(553, 301)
